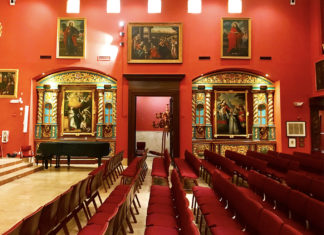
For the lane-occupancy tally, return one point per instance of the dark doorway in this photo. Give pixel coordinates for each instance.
(317, 123)
(153, 85)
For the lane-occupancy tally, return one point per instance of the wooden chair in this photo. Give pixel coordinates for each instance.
(31, 222)
(15, 230)
(48, 218)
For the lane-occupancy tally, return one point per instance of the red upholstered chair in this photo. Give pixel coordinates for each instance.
(31, 222)
(26, 152)
(288, 230)
(269, 223)
(297, 202)
(14, 230)
(92, 229)
(140, 148)
(158, 230)
(48, 218)
(317, 189)
(315, 215)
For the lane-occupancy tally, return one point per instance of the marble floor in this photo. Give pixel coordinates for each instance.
(23, 196)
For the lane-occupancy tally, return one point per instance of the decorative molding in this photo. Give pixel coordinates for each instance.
(77, 77)
(232, 78)
(198, 149)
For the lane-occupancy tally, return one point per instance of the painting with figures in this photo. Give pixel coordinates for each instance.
(8, 83)
(231, 113)
(77, 112)
(155, 43)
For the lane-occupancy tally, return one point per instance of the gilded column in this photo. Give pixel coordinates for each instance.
(54, 115)
(270, 109)
(100, 113)
(193, 109)
(255, 129)
(40, 103)
(100, 106)
(114, 107)
(40, 106)
(208, 116)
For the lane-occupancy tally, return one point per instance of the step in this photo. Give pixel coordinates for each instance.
(13, 168)
(5, 162)
(19, 174)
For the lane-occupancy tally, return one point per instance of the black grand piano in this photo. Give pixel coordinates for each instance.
(68, 148)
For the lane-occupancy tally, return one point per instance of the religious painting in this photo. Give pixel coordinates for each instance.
(71, 35)
(155, 43)
(320, 75)
(296, 129)
(78, 112)
(236, 38)
(231, 114)
(8, 83)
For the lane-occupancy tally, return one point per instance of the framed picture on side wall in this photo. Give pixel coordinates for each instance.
(154, 43)
(292, 143)
(236, 38)
(296, 129)
(71, 38)
(8, 83)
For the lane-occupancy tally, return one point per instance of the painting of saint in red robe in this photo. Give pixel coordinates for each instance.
(236, 38)
(71, 38)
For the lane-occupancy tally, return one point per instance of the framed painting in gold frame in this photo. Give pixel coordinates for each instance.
(78, 112)
(231, 116)
(236, 38)
(8, 83)
(154, 43)
(71, 38)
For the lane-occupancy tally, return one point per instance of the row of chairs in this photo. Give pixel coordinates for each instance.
(225, 204)
(189, 167)
(277, 166)
(312, 165)
(53, 216)
(296, 208)
(113, 167)
(160, 166)
(168, 211)
(114, 214)
(314, 187)
(214, 161)
(130, 172)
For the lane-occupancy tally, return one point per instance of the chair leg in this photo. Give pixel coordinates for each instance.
(137, 201)
(132, 213)
(137, 212)
(129, 225)
(77, 221)
(85, 211)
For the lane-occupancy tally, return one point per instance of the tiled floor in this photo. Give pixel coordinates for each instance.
(23, 196)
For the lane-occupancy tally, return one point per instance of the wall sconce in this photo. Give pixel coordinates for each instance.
(12, 2)
(122, 34)
(121, 24)
(121, 44)
(298, 104)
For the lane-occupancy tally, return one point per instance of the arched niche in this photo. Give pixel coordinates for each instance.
(72, 104)
(238, 112)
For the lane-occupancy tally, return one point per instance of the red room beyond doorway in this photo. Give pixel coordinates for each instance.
(146, 109)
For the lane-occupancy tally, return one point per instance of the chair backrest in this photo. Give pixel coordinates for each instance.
(64, 205)
(75, 196)
(83, 189)
(15, 230)
(48, 218)
(31, 223)
(269, 223)
(25, 149)
(140, 145)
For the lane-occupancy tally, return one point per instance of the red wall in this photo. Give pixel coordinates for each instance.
(146, 108)
(278, 30)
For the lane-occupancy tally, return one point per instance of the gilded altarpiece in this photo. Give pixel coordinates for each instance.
(232, 110)
(76, 105)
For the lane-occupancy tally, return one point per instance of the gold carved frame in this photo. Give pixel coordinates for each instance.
(230, 113)
(78, 132)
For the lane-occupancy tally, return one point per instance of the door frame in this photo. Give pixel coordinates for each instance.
(153, 85)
